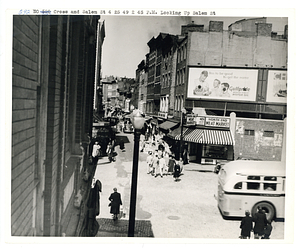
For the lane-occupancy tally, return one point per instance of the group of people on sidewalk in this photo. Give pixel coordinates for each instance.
(262, 227)
(110, 151)
(161, 161)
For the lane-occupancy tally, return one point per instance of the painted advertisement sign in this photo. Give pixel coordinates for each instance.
(277, 86)
(230, 84)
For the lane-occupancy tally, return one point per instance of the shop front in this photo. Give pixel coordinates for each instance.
(207, 140)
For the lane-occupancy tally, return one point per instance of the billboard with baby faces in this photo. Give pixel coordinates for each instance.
(222, 84)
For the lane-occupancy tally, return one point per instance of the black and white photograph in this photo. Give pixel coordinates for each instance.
(166, 125)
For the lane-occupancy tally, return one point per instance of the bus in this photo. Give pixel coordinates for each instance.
(249, 185)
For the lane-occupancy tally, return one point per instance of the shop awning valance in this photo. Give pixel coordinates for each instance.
(168, 125)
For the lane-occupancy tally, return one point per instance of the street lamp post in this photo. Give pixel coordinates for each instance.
(138, 123)
(183, 112)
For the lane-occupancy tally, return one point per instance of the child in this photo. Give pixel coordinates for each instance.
(268, 230)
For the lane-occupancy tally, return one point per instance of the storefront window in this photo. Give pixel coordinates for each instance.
(215, 151)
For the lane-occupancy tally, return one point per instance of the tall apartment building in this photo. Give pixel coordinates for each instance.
(52, 107)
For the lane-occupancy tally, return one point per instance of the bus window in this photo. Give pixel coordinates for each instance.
(238, 185)
(270, 178)
(270, 186)
(253, 186)
(253, 177)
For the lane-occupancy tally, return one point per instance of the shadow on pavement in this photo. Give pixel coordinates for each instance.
(119, 228)
(123, 138)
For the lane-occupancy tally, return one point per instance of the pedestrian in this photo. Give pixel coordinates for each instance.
(171, 164)
(246, 226)
(185, 155)
(149, 161)
(268, 230)
(93, 209)
(176, 173)
(109, 152)
(122, 146)
(115, 202)
(155, 165)
(260, 221)
(181, 165)
(166, 156)
(161, 165)
(96, 153)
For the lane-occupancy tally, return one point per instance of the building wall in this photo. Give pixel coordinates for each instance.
(51, 96)
(254, 143)
(237, 49)
(24, 94)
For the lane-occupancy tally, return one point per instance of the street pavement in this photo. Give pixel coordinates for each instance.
(165, 208)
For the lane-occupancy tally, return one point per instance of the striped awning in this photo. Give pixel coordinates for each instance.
(203, 136)
(217, 137)
(168, 125)
(194, 135)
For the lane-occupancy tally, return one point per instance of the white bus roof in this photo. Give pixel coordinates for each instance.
(251, 167)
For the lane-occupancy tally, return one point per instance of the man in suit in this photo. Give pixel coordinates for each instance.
(115, 202)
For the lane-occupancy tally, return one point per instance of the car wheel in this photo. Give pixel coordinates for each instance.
(267, 207)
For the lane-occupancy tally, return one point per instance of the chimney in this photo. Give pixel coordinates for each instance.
(216, 26)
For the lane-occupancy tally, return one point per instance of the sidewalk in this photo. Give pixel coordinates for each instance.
(119, 228)
(73, 221)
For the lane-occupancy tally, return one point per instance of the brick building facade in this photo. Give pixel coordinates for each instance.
(52, 105)
(249, 59)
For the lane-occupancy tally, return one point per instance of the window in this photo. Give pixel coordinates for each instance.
(249, 132)
(253, 177)
(268, 134)
(252, 185)
(270, 186)
(238, 185)
(270, 178)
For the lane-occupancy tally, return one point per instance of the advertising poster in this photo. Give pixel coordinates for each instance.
(231, 84)
(277, 86)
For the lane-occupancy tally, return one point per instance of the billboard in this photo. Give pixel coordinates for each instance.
(277, 86)
(229, 84)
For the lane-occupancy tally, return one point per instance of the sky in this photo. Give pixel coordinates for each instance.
(126, 37)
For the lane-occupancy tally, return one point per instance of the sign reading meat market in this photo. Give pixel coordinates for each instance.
(217, 122)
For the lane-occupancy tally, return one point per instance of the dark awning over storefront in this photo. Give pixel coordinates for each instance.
(175, 134)
(168, 125)
(203, 136)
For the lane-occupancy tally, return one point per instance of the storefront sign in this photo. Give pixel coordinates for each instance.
(163, 115)
(277, 86)
(190, 120)
(229, 84)
(217, 122)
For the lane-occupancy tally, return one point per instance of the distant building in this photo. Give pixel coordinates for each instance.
(141, 86)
